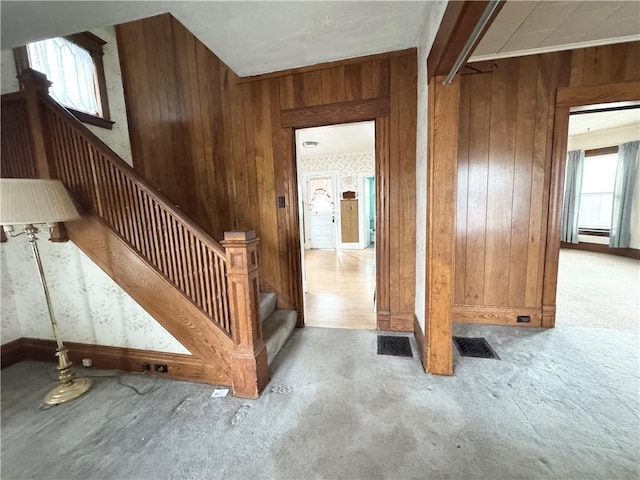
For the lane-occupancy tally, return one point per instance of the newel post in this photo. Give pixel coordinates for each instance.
(34, 84)
(249, 370)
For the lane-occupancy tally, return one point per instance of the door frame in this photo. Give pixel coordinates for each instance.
(568, 98)
(376, 110)
(362, 221)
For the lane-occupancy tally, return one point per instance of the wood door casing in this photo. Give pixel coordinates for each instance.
(506, 177)
(222, 147)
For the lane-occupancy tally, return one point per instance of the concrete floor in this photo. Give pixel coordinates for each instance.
(561, 403)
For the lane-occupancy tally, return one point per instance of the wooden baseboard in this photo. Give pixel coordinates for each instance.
(420, 342)
(497, 315)
(11, 352)
(383, 321)
(180, 366)
(599, 248)
(548, 316)
(395, 322)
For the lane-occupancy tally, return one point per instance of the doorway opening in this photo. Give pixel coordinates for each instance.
(600, 234)
(337, 197)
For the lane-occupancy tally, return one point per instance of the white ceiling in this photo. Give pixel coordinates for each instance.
(259, 37)
(527, 27)
(594, 122)
(251, 37)
(337, 139)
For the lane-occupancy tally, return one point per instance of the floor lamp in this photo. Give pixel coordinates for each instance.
(32, 202)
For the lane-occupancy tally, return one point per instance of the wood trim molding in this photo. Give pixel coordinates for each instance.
(420, 342)
(441, 223)
(566, 98)
(180, 366)
(394, 322)
(601, 151)
(556, 190)
(383, 321)
(459, 20)
(92, 119)
(329, 114)
(12, 352)
(496, 315)
(591, 95)
(401, 322)
(324, 66)
(600, 248)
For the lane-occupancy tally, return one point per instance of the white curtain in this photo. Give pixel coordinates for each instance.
(320, 194)
(626, 172)
(572, 190)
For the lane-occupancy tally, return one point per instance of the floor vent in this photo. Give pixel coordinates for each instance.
(474, 347)
(396, 346)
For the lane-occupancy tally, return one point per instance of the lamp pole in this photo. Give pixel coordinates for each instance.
(69, 387)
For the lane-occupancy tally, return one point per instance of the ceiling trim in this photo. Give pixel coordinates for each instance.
(327, 65)
(555, 48)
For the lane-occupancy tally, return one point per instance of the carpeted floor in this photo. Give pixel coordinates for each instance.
(561, 403)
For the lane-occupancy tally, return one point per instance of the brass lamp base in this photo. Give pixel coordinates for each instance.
(69, 387)
(64, 392)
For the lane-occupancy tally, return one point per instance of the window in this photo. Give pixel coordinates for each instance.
(320, 194)
(74, 65)
(596, 198)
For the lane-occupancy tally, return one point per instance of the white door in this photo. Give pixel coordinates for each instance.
(320, 210)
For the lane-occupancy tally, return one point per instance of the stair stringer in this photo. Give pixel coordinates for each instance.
(159, 297)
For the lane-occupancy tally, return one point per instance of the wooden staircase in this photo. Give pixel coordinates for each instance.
(204, 293)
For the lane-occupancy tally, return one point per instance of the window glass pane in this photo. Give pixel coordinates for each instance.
(595, 210)
(599, 173)
(320, 194)
(71, 70)
(596, 200)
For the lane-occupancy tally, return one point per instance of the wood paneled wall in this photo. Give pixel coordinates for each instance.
(183, 104)
(223, 147)
(504, 175)
(326, 96)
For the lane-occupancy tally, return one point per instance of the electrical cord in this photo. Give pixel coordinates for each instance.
(117, 376)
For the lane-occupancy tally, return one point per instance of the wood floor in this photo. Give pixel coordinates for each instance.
(340, 288)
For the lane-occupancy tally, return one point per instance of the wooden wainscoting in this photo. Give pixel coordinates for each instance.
(496, 315)
(180, 366)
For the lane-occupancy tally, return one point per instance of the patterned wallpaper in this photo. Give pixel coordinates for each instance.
(349, 165)
(117, 138)
(89, 306)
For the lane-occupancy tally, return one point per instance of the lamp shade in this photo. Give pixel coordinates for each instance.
(30, 201)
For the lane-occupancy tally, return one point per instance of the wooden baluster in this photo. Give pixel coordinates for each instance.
(249, 370)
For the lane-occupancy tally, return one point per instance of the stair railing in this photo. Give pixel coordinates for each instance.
(45, 140)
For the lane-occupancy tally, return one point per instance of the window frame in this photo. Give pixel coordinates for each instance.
(598, 232)
(94, 45)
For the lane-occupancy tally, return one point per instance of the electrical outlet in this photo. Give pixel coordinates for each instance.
(146, 367)
(86, 362)
(523, 319)
(161, 367)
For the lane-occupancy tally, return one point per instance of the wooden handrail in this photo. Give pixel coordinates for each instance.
(153, 192)
(158, 231)
(221, 282)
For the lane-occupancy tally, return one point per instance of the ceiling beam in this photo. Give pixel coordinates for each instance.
(459, 21)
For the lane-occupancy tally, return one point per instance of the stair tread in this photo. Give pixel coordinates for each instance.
(267, 305)
(276, 329)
